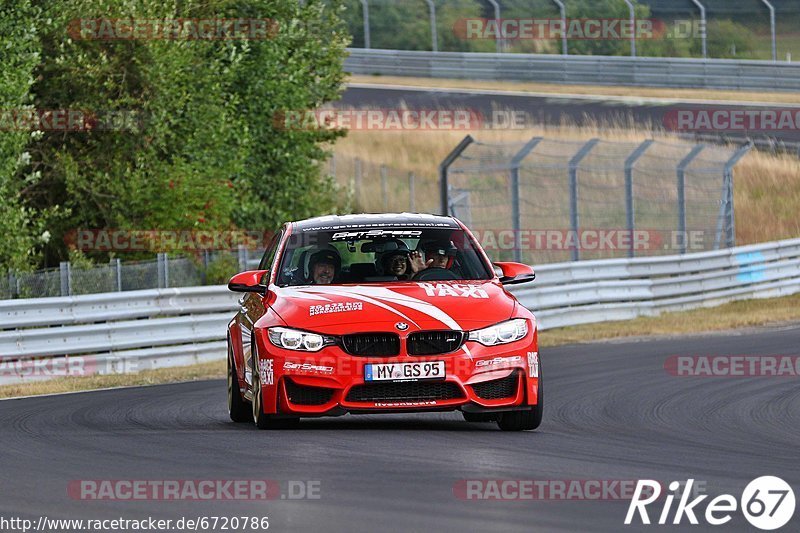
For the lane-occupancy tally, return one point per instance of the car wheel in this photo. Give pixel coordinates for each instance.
(523, 420)
(479, 417)
(238, 408)
(264, 421)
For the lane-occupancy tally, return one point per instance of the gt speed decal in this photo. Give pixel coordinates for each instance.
(454, 289)
(514, 359)
(307, 367)
(266, 371)
(336, 307)
(533, 364)
(376, 233)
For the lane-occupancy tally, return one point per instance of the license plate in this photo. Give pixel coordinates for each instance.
(403, 371)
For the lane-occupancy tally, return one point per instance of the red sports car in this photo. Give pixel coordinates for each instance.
(382, 314)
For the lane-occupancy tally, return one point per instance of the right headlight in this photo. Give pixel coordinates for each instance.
(302, 341)
(502, 333)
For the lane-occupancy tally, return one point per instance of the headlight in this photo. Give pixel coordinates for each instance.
(502, 333)
(292, 339)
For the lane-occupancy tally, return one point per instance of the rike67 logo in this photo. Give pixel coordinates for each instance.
(767, 503)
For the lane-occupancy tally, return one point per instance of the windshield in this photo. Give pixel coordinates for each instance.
(380, 255)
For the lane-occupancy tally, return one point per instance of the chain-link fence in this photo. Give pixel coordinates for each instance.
(549, 200)
(374, 188)
(744, 29)
(118, 276)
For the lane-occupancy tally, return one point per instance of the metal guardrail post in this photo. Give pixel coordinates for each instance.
(629, 207)
(703, 27)
(772, 29)
(516, 218)
(563, 9)
(726, 211)
(681, 171)
(64, 272)
(434, 32)
(412, 194)
(367, 38)
(574, 163)
(444, 167)
(385, 188)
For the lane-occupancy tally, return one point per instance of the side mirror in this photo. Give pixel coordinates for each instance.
(513, 273)
(248, 282)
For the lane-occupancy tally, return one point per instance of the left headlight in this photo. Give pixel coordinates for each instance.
(502, 333)
(302, 341)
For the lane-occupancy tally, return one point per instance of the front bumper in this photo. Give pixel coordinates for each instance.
(331, 382)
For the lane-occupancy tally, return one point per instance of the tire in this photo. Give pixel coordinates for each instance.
(480, 417)
(524, 420)
(264, 421)
(238, 409)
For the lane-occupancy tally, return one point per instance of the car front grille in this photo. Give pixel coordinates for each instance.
(372, 344)
(434, 342)
(410, 391)
(305, 395)
(497, 388)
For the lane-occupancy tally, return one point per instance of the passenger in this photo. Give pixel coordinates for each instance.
(396, 263)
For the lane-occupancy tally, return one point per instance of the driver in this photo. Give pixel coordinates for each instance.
(324, 266)
(438, 254)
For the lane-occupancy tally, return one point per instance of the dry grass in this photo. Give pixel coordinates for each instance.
(746, 313)
(735, 315)
(767, 186)
(594, 90)
(212, 370)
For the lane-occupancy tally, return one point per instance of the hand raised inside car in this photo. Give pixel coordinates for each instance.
(417, 262)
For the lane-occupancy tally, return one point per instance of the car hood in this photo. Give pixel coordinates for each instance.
(341, 309)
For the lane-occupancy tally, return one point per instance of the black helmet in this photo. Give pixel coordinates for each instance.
(441, 247)
(329, 255)
(386, 250)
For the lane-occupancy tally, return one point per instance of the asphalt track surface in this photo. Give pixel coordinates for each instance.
(612, 413)
(553, 110)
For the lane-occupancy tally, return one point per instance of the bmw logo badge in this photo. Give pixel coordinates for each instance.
(402, 326)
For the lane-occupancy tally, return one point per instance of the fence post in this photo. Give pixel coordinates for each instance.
(703, 27)
(564, 48)
(118, 270)
(682, 193)
(726, 211)
(574, 163)
(434, 33)
(412, 194)
(365, 9)
(632, 14)
(499, 43)
(444, 168)
(772, 29)
(242, 256)
(64, 270)
(516, 217)
(161, 269)
(385, 188)
(629, 212)
(357, 192)
(13, 289)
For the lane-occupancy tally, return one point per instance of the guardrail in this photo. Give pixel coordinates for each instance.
(119, 332)
(721, 74)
